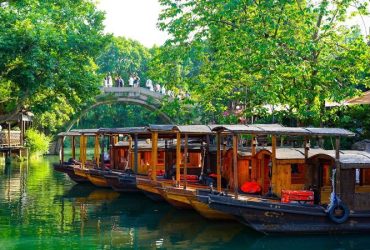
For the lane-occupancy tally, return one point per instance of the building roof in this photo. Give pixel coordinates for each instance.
(363, 99)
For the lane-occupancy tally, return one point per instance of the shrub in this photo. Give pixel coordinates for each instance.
(37, 141)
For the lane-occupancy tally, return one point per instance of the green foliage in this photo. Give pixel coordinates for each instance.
(291, 54)
(47, 62)
(118, 115)
(122, 57)
(37, 142)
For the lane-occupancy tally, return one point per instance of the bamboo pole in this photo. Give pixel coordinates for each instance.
(178, 157)
(186, 161)
(235, 164)
(154, 155)
(218, 162)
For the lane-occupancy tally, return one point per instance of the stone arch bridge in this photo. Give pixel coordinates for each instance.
(132, 95)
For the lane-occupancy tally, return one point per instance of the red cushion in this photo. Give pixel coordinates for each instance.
(189, 177)
(251, 187)
(160, 172)
(213, 175)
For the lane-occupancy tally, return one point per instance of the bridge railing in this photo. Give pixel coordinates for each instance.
(132, 91)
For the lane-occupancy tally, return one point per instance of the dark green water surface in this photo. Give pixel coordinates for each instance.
(43, 209)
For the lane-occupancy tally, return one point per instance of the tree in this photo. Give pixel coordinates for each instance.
(123, 57)
(291, 54)
(47, 57)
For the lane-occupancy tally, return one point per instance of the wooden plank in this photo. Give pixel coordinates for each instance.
(292, 161)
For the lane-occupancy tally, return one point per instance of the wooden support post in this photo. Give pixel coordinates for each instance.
(96, 150)
(21, 134)
(62, 151)
(102, 152)
(83, 144)
(337, 165)
(306, 148)
(73, 147)
(273, 160)
(136, 153)
(154, 154)
(9, 127)
(111, 148)
(218, 162)
(186, 161)
(235, 164)
(178, 157)
(254, 150)
(208, 140)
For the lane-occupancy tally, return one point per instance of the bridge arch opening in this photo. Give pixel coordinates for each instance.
(123, 112)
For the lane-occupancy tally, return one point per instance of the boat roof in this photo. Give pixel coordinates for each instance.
(277, 129)
(128, 130)
(142, 144)
(78, 132)
(161, 128)
(193, 129)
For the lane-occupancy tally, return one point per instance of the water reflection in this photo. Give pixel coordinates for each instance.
(40, 208)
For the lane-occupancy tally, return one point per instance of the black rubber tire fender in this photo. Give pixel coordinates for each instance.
(339, 220)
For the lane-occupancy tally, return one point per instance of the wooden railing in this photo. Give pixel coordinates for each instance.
(14, 140)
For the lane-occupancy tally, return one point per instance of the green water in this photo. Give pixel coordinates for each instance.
(43, 209)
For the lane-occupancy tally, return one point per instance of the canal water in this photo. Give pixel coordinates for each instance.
(44, 209)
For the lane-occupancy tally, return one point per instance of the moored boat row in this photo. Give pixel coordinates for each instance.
(233, 172)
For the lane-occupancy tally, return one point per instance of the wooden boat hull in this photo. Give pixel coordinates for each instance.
(69, 170)
(176, 198)
(122, 182)
(187, 199)
(149, 188)
(84, 173)
(96, 177)
(209, 213)
(270, 218)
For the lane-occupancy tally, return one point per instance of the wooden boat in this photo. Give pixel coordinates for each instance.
(175, 187)
(69, 170)
(123, 182)
(130, 157)
(76, 170)
(96, 177)
(302, 205)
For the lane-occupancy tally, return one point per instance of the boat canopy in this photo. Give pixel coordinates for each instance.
(160, 128)
(128, 130)
(193, 129)
(78, 132)
(277, 129)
